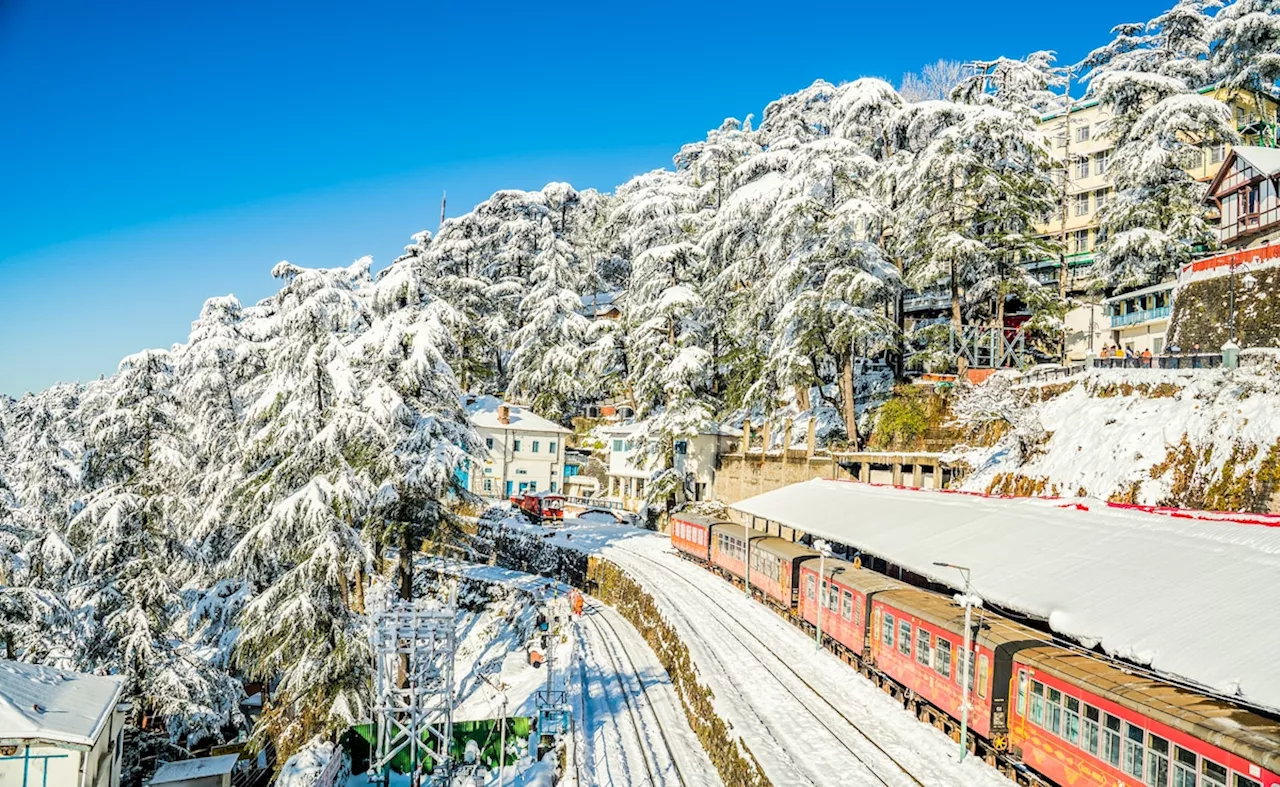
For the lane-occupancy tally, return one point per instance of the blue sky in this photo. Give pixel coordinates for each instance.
(153, 154)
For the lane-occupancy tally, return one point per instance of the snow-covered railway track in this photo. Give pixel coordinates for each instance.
(891, 771)
(665, 768)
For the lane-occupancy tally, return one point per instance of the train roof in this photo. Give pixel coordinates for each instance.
(1233, 729)
(944, 612)
(697, 519)
(861, 579)
(1190, 595)
(738, 530)
(784, 548)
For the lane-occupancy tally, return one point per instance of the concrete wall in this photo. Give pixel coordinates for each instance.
(43, 764)
(742, 476)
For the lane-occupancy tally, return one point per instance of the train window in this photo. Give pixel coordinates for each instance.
(887, 631)
(924, 652)
(984, 667)
(1214, 774)
(833, 598)
(808, 587)
(1157, 761)
(1089, 731)
(1022, 692)
(1242, 781)
(1053, 711)
(1111, 740)
(1037, 703)
(904, 638)
(1071, 720)
(942, 658)
(1133, 750)
(846, 610)
(1184, 767)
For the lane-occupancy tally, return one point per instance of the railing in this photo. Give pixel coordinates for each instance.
(329, 776)
(1136, 318)
(1047, 373)
(1233, 259)
(1180, 361)
(593, 502)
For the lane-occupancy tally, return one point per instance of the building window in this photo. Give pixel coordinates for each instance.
(1081, 238)
(1100, 199)
(522, 472)
(904, 637)
(1133, 752)
(515, 445)
(553, 486)
(1111, 741)
(924, 653)
(1082, 167)
(1249, 201)
(887, 632)
(942, 659)
(1082, 204)
(1102, 162)
(535, 446)
(1082, 134)
(551, 446)
(488, 443)
(1217, 153)
(488, 485)
(1089, 730)
(617, 446)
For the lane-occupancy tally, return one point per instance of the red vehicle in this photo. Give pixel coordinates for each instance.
(541, 506)
(691, 535)
(1080, 721)
(729, 549)
(847, 592)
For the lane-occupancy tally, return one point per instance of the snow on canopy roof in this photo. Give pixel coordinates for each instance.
(1265, 160)
(198, 768)
(484, 413)
(1192, 596)
(54, 705)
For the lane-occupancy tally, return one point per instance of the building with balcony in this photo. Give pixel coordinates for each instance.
(1139, 320)
(1246, 191)
(524, 451)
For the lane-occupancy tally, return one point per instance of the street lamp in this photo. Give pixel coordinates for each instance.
(966, 670)
(746, 559)
(502, 735)
(824, 551)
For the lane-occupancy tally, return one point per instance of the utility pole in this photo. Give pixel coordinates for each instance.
(444, 198)
(746, 554)
(824, 549)
(1231, 300)
(966, 679)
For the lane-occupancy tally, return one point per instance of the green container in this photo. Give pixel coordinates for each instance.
(359, 741)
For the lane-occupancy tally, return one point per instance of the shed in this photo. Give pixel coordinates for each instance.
(200, 772)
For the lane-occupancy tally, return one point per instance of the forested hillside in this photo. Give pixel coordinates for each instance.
(213, 511)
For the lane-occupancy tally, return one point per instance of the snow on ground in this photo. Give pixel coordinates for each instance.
(806, 716)
(1103, 444)
(629, 725)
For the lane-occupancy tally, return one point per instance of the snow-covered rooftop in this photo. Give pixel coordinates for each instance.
(484, 414)
(198, 768)
(1192, 597)
(52, 704)
(1265, 160)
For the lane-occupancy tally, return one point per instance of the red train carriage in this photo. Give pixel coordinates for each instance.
(541, 506)
(691, 534)
(775, 569)
(729, 547)
(847, 592)
(917, 638)
(1078, 721)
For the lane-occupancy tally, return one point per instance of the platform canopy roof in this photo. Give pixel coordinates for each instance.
(1194, 597)
(47, 704)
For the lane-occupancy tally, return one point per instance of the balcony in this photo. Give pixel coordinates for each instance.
(1139, 317)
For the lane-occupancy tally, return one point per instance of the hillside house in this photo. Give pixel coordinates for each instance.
(525, 452)
(1247, 193)
(59, 728)
(698, 459)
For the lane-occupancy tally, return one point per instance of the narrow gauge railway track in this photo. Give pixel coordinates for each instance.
(599, 622)
(905, 771)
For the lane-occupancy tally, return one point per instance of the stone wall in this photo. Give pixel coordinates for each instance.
(1201, 311)
(746, 475)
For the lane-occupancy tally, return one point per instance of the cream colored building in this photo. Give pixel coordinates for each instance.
(59, 728)
(524, 451)
(697, 458)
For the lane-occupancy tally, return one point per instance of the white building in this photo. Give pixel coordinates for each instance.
(1139, 320)
(59, 728)
(697, 458)
(525, 451)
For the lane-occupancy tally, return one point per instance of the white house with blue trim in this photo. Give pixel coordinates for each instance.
(524, 451)
(59, 728)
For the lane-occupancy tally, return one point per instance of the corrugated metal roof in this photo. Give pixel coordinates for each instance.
(54, 705)
(198, 768)
(1193, 598)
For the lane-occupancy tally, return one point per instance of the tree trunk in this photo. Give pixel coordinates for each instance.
(847, 404)
(955, 297)
(360, 590)
(404, 567)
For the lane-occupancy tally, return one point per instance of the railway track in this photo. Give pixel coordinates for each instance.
(900, 768)
(617, 653)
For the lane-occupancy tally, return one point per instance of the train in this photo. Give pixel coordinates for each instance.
(540, 507)
(1042, 713)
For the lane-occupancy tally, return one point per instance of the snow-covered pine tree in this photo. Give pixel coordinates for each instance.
(1245, 53)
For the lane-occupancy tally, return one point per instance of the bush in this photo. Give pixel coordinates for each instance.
(900, 425)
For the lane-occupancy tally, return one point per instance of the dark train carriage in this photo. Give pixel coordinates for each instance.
(775, 569)
(846, 592)
(1078, 720)
(729, 547)
(691, 534)
(917, 638)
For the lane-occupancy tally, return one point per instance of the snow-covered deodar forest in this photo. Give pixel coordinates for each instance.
(220, 512)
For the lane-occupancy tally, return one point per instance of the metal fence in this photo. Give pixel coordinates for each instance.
(1180, 361)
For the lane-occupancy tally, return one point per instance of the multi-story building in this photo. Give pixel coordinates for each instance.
(525, 452)
(697, 458)
(1247, 195)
